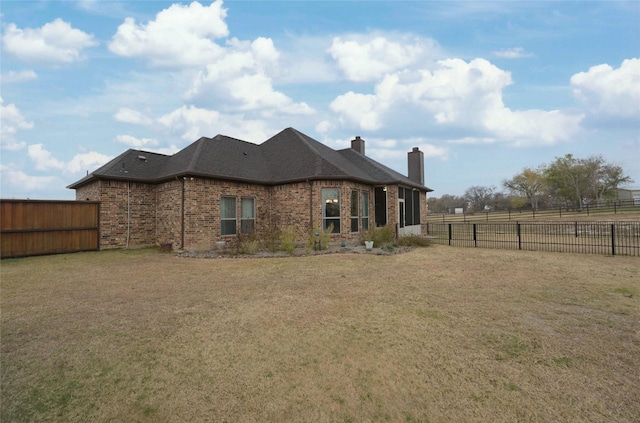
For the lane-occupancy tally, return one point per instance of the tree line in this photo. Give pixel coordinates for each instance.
(566, 182)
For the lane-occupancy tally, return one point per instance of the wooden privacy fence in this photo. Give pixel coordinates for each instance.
(609, 238)
(38, 227)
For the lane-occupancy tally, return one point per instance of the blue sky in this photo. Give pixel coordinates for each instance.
(485, 89)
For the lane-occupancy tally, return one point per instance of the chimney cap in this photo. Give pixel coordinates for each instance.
(416, 149)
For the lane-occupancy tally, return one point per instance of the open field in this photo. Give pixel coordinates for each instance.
(439, 334)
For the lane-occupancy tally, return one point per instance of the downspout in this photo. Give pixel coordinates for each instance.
(182, 217)
(310, 205)
(128, 212)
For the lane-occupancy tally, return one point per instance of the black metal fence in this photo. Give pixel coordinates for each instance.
(608, 238)
(542, 214)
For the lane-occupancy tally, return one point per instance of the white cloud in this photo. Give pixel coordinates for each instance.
(44, 160)
(532, 127)
(13, 77)
(11, 121)
(473, 140)
(55, 43)
(134, 142)
(168, 151)
(86, 161)
(364, 110)
(324, 127)
(362, 59)
(192, 123)
(179, 36)
(135, 117)
(300, 62)
(608, 91)
(512, 53)
(455, 94)
(15, 179)
(434, 151)
(236, 75)
(239, 81)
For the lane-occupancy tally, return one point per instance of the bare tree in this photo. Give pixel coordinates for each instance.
(479, 197)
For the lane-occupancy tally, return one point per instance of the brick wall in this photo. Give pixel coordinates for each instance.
(127, 212)
(289, 208)
(202, 210)
(153, 214)
(169, 213)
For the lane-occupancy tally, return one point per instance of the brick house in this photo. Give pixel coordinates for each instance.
(217, 188)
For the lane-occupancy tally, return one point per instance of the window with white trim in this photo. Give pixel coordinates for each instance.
(248, 215)
(331, 209)
(354, 210)
(365, 210)
(228, 216)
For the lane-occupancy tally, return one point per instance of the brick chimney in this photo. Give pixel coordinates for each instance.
(358, 145)
(416, 165)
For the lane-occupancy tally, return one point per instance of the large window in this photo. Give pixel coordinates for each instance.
(228, 216)
(354, 211)
(331, 209)
(248, 217)
(365, 211)
(411, 205)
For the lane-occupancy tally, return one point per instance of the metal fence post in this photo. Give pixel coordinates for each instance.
(613, 239)
(519, 239)
(449, 233)
(475, 240)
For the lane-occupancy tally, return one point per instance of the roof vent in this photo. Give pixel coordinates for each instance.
(142, 158)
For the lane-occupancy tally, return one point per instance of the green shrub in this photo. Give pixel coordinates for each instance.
(288, 239)
(414, 241)
(271, 240)
(381, 235)
(324, 237)
(247, 244)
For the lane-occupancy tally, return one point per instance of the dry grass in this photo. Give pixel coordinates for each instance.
(439, 334)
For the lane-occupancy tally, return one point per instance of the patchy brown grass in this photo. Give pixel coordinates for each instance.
(439, 334)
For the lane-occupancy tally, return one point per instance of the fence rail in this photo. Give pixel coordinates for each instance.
(607, 238)
(615, 207)
(37, 227)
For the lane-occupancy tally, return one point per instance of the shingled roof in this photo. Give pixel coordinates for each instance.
(289, 156)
